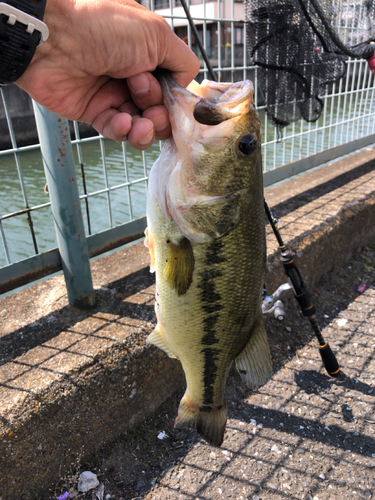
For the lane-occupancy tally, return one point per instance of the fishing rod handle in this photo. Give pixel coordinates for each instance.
(329, 360)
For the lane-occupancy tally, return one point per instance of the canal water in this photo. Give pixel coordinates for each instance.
(105, 210)
(342, 120)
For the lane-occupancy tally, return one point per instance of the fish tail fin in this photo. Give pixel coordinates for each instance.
(254, 362)
(209, 423)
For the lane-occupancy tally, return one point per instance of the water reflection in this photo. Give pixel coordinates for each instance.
(99, 174)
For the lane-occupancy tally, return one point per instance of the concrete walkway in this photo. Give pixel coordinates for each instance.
(301, 436)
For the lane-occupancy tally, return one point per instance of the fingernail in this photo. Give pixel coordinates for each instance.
(147, 139)
(139, 84)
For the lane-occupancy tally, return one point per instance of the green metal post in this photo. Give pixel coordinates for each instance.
(57, 153)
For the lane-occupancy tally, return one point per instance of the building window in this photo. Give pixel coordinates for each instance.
(238, 35)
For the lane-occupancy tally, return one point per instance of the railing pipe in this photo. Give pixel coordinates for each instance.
(57, 153)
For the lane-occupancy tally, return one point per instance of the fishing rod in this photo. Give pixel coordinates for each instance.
(300, 290)
(302, 295)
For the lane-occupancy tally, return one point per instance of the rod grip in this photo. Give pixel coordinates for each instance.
(329, 360)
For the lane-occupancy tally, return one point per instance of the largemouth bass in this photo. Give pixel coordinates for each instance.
(206, 239)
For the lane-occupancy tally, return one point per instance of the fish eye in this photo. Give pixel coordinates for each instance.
(248, 144)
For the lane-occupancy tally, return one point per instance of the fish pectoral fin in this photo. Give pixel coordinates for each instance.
(254, 362)
(157, 339)
(179, 267)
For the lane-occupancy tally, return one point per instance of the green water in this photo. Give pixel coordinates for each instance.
(342, 120)
(16, 229)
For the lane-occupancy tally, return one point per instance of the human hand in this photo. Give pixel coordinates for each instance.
(96, 67)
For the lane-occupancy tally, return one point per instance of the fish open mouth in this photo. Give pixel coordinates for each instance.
(220, 101)
(211, 103)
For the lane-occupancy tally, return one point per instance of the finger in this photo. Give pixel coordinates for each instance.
(145, 90)
(112, 95)
(113, 124)
(159, 117)
(179, 59)
(130, 108)
(142, 134)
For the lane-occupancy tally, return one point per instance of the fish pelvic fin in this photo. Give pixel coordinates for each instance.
(156, 338)
(209, 422)
(254, 362)
(179, 266)
(149, 244)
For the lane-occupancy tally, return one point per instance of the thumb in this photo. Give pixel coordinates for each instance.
(178, 58)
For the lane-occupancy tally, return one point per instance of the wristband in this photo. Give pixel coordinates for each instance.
(21, 31)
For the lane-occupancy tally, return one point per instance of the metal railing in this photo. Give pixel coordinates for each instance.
(110, 178)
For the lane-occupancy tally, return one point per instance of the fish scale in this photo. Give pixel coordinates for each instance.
(208, 284)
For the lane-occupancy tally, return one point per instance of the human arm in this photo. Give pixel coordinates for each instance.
(96, 67)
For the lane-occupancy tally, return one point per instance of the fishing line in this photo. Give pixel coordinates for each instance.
(199, 43)
(300, 290)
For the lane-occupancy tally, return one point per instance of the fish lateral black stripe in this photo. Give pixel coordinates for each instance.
(209, 409)
(212, 308)
(211, 304)
(213, 253)
(209, 323)
(208, 293)
(211, 274)
(209, 374)
(206, 409)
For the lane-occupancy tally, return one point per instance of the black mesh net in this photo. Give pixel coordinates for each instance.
(302, 45)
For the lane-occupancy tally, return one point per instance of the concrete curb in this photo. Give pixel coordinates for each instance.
(71, 380)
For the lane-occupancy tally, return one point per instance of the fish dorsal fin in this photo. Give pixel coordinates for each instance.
(179, 267)
(254, 362)
(157, 339)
